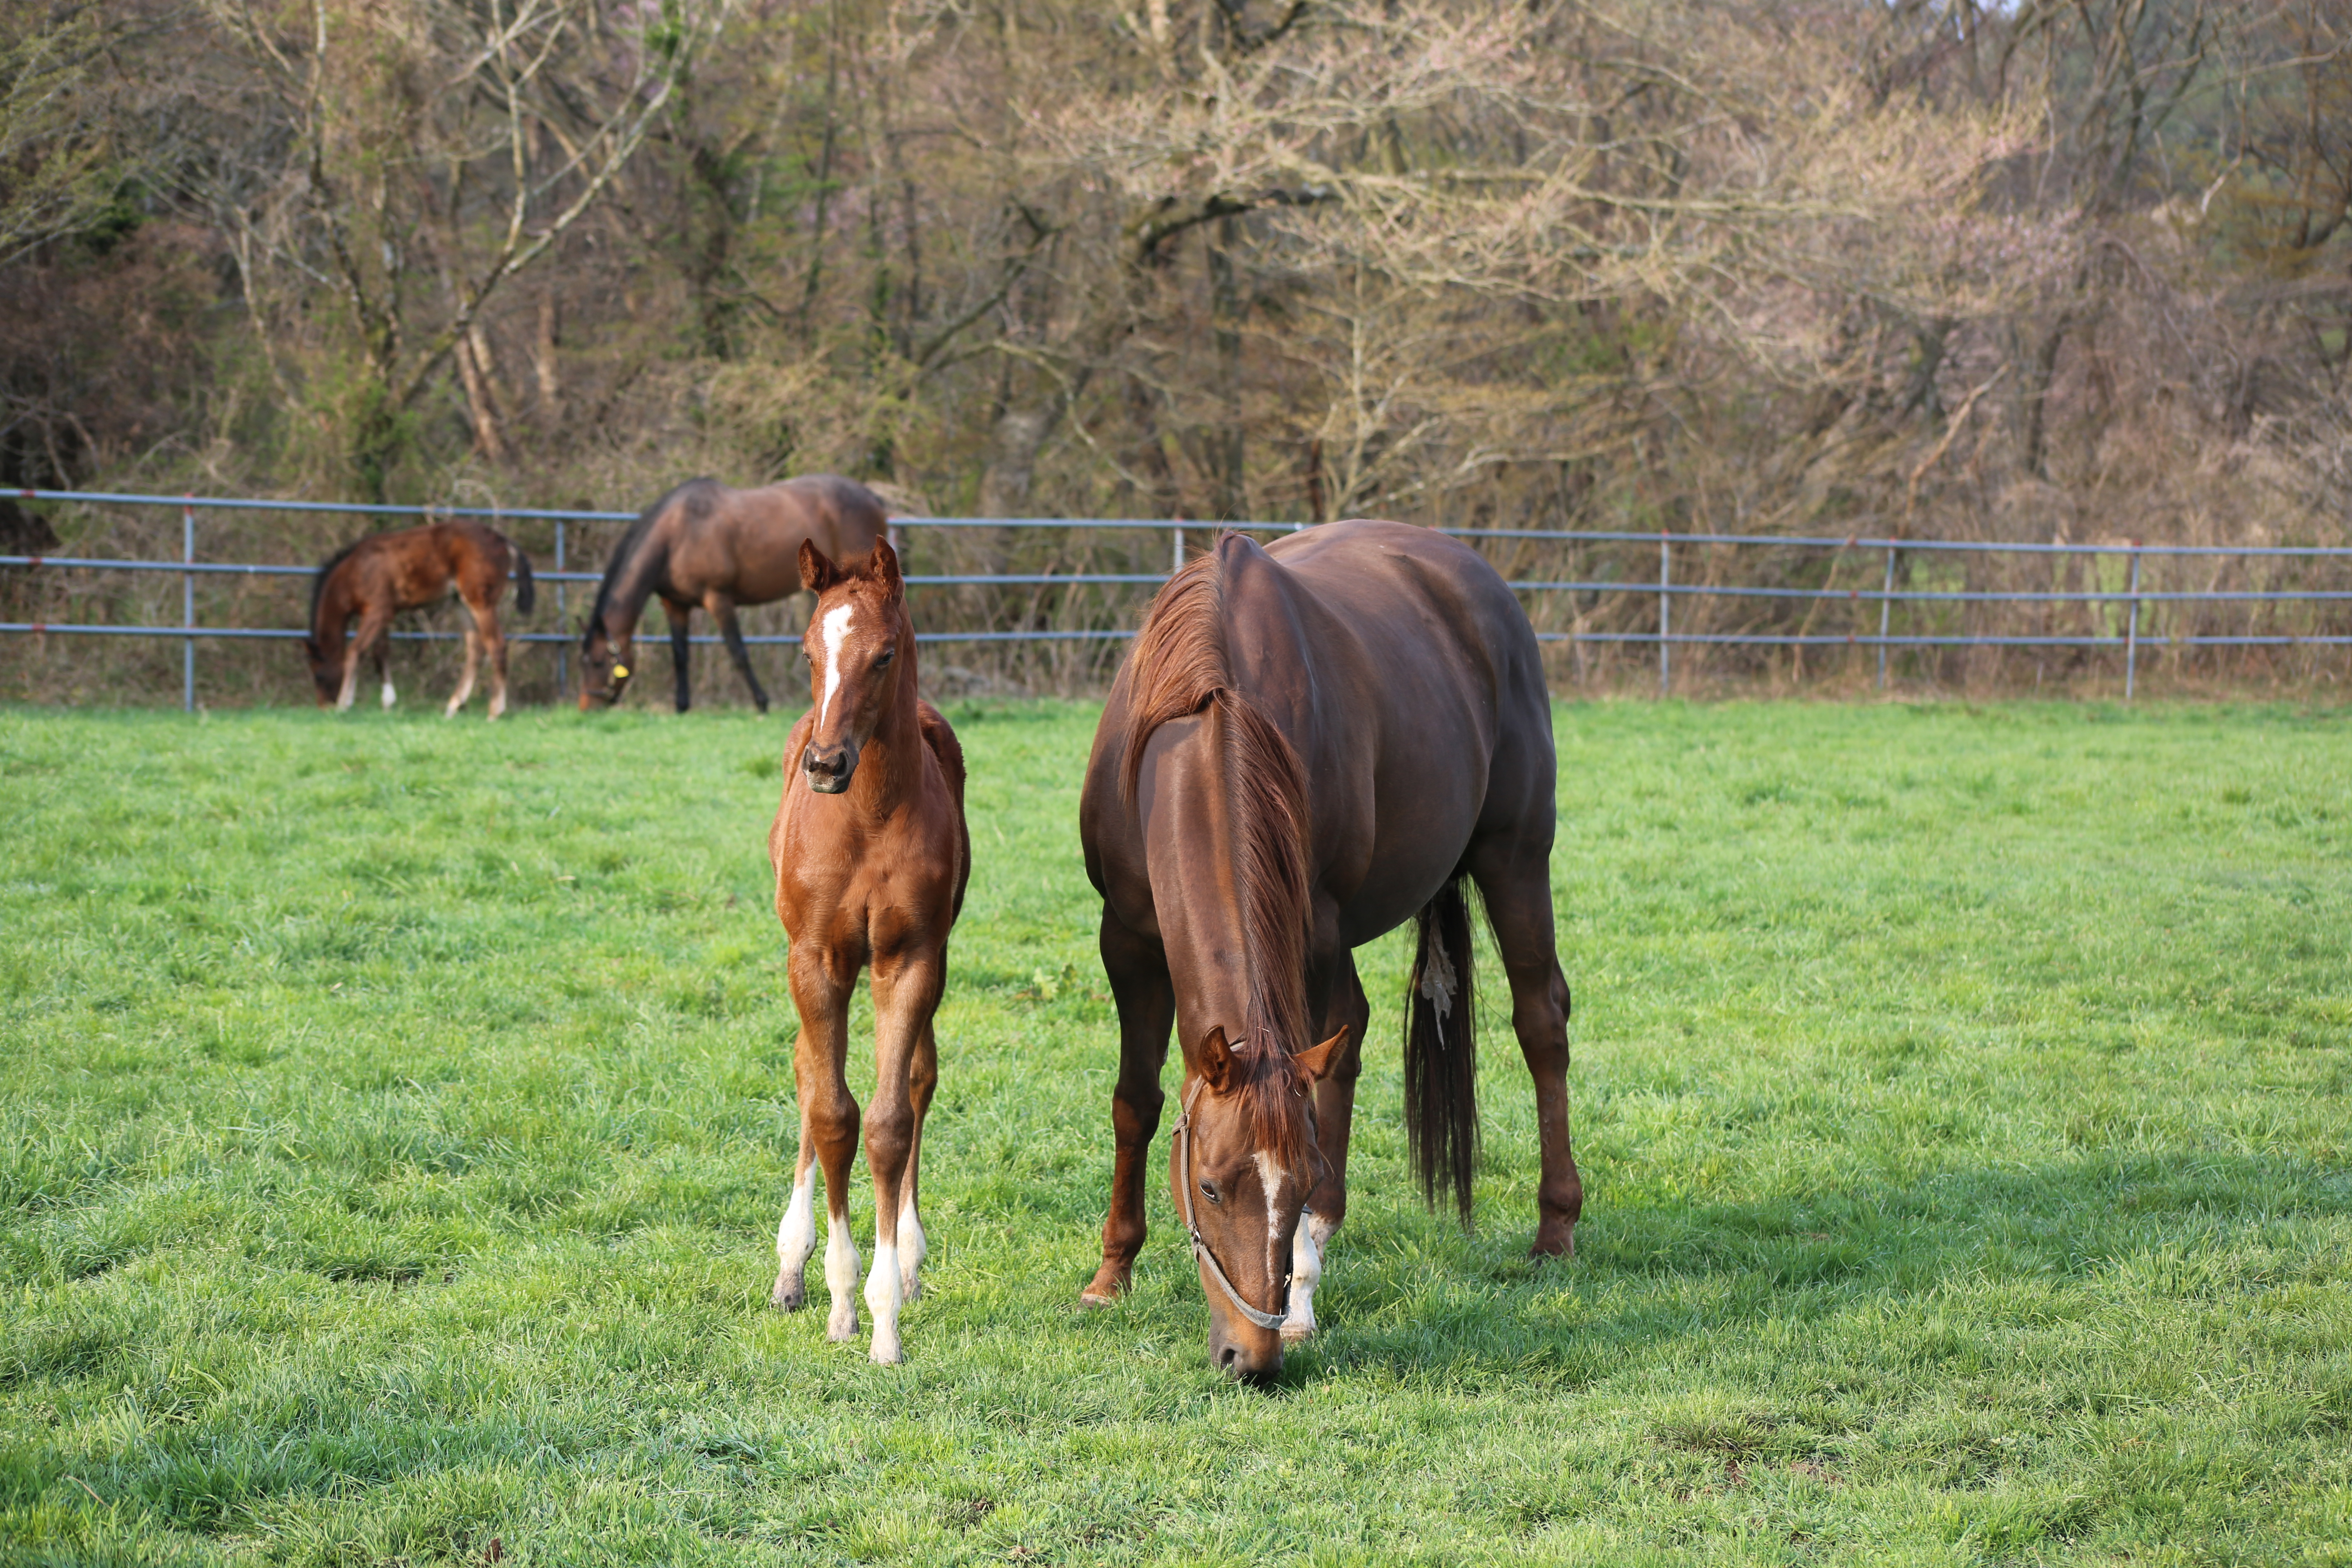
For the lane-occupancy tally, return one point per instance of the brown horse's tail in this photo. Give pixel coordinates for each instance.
(1441, 1046)
(526, 594)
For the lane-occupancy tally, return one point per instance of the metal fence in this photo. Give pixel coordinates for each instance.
(2127, 639)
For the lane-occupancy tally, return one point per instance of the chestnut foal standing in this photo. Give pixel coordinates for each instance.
(871, 856)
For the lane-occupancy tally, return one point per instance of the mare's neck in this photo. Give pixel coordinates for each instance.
(633, 585)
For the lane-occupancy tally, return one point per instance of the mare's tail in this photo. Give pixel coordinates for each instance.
(1441, 1044)
(525, 594)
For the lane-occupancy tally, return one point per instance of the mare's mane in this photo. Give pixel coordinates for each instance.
(1179, 668)
(699, 504)
(327, 570)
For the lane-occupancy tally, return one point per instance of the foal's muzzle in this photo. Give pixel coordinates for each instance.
(829, 767)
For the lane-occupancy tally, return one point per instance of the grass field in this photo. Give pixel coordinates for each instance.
(394, 1116)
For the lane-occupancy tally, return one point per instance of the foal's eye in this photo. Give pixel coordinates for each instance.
(1209, 1191)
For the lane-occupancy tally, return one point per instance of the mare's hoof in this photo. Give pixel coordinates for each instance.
(1554, 1242)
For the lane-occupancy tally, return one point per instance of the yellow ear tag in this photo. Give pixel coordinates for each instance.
(620, 672)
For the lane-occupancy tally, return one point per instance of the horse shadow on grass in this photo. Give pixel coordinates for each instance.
(1408, 1295)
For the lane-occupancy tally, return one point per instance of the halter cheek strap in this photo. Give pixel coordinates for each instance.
(1201, 1248)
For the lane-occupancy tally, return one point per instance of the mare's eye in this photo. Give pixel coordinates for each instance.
(1209, 1191)
(888, 655)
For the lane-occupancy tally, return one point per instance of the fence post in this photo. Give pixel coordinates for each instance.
(2131, 633)
(1886, 605)
(1665, 619)
(563, 648)
(187, 606)
(1176, 559)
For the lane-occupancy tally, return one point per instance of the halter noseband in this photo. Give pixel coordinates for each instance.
(1201, 1248)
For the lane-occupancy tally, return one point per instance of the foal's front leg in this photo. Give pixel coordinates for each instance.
(905, 992)
(821, 985)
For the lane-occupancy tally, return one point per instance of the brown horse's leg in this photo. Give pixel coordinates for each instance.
(1146, 1008)
(494, 643)
(1335, 1114)
(1516, 880)
(922, 1082)
(821, 990)
(371, 641)
(678, 653)
(906, 990)
(473, 667)
(722, 610)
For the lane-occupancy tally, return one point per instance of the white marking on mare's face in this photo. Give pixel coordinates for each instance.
(1270, 1177)
(835, 627)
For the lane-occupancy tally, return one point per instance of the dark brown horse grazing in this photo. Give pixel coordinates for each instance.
(1309, 746)
(706, 544)
(385, 573)
(871, 856)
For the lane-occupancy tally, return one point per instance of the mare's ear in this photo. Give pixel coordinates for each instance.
(817, 571)
(1218, 1065)
(883, 567)
(1317, 1062)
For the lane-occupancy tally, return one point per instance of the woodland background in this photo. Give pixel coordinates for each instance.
(2058, 269)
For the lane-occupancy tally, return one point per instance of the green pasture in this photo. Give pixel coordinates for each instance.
(395, 1117)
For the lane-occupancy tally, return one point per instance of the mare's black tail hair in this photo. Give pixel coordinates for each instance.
(526, 594)
(1441, 1050)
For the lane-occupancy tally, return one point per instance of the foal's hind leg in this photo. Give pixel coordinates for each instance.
(922, 1082)
(1516, 880)
(473, 664)
(905, 992)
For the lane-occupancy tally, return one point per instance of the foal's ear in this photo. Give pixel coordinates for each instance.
(1218, 1065)
(1317, 1062)
(883, 567)
(817, 571)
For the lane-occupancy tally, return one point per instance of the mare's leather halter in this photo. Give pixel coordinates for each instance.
(1200, 1247)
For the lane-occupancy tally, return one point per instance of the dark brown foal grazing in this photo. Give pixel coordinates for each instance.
(1309, 746)
(706, 544)
(871, 856)
(385, 573)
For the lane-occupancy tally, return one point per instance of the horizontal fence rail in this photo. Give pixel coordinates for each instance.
(2128, 638)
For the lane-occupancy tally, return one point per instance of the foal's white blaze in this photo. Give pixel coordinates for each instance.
(910, 1250)
(835, 627)
(840, 1278)
(882, 1295)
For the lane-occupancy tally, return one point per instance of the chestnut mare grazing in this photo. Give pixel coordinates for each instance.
(871, 856)
(1310, 744)
(385, 573)
(706, 544)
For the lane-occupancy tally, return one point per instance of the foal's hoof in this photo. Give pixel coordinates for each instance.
(886, 1352)
(1297, 1334)
(790, 1295)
